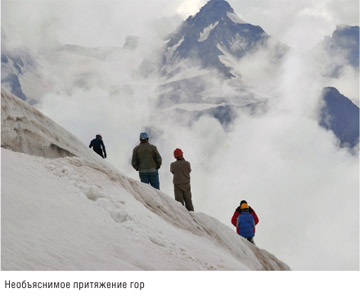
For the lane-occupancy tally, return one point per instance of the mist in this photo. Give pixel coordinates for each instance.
(303, 187)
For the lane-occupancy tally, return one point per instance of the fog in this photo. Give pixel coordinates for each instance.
(304, 188)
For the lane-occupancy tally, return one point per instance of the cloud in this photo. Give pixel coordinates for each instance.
(83, 22)
(96, 22)
(189, 7)
(336, 70)
(347, 83)
(299, 21)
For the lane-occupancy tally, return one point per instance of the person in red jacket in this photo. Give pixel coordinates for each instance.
(238, 212)
(181, 170)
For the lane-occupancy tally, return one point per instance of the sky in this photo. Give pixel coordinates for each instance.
(287, 167)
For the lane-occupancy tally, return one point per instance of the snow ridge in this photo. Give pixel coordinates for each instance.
(235, 18)
(25, 129)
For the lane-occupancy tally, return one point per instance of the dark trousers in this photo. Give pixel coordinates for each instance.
(99, 152)
(251, 240)
(183, 195)
(151, 178)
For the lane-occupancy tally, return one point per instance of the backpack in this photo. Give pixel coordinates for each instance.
(245, 224)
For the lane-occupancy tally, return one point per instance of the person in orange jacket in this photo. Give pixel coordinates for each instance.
(238, 211)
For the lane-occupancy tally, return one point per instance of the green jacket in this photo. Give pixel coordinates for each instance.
(146, 158)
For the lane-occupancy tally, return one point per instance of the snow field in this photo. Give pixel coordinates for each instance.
(70, 214)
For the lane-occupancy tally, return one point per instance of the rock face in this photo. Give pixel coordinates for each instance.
(21, 74)
(12, 83)
(340, 115)
(11, 69)
(342, 48)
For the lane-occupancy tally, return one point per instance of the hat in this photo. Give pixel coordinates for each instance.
(178, 153)
(244, 205)
(144, 135)
(243, 201)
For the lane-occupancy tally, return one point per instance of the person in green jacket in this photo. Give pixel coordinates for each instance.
(147, 160)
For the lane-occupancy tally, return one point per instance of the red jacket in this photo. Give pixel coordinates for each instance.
(237, 213)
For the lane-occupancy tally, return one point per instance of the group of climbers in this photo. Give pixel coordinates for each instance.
(147, 161)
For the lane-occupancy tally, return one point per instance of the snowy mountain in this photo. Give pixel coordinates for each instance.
(339, 114)
(65, 208)
(215, 31)
(19, 75)
(342, 48)
(204, 66)
(338, 60)
(197, 57)
(30, 76)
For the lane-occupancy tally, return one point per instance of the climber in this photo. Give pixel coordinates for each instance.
(245, 219)
(181, 170)
(147, 160)
(98, 146)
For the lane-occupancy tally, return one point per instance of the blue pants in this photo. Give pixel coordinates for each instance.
(151, 178)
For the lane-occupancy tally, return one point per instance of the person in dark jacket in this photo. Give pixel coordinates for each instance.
(147, 160)
(243, 225)
(98, 146)
(181, 170)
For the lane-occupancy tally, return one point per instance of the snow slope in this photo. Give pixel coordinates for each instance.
(74, 211)
(25, 129)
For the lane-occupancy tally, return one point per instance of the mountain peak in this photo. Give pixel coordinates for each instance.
(218, 6)
(215, 30)
(214, 10)
(340, 115)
